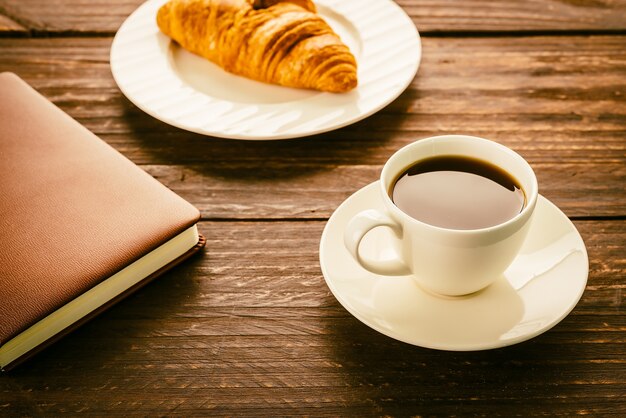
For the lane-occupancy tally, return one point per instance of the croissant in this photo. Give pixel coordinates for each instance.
(280, 42)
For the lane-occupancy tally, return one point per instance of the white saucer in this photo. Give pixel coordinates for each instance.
(539, 289)
(184, 90)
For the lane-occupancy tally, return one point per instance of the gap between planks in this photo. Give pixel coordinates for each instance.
(325, 219)
(73, 33)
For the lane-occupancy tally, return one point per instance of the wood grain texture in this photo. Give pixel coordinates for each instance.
(532, 94)
(255, 331)
(515, 16)
(250, 328)
(81, 17)
(298, 191)
(10, 27)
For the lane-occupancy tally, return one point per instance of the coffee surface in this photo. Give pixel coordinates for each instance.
(458, 192)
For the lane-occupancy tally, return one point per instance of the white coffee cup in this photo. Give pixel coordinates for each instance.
(446, 261)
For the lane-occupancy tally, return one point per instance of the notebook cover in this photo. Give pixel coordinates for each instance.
(73, 211)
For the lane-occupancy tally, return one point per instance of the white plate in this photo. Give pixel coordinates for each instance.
(539, 289)
(189, 92)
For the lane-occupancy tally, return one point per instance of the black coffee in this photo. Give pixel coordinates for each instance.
(458, 192)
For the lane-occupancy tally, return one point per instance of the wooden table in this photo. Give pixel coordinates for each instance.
(250, 328)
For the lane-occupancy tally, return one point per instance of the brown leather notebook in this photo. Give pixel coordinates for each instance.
(81, 226)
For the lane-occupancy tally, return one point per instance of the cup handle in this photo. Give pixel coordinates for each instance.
(358, 227)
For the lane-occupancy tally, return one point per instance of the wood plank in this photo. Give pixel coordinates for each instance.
(70, 17)
(10, 27)
(256, 331)
(560, 102)
(517, 15)
(435, 16)
(552, 99)
(239, 191)
(291, 249)
(277, 277)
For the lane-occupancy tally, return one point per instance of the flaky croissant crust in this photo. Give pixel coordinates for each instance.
(281, 42)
